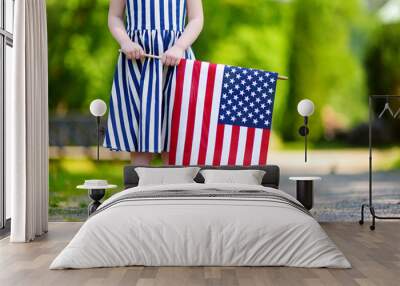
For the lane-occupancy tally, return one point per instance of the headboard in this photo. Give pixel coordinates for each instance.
(270, 179)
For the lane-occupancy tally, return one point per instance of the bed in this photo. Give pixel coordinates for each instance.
(201, 224)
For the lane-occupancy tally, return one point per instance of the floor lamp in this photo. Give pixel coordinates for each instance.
(98, 108)
(305, 108)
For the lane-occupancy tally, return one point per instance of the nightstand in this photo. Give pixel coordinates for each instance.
(96, 191)
(304, 190)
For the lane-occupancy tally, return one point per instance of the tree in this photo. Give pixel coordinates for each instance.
(382, 63)
(325, 64)
(319, 44)
(383, 60)
(82, 53)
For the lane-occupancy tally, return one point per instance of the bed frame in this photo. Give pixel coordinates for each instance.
(270, 179)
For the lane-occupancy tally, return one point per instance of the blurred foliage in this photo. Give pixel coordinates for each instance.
(383, 60)
(325, 64)
(82, 53)
(321, 45)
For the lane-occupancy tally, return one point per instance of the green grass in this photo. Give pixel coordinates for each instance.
(386, 159)
(68, 203)
(396, 164)
(66, 174)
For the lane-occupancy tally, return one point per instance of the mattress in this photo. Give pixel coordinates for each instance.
(201, 225)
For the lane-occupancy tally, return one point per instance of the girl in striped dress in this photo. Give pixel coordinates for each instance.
(138, 120)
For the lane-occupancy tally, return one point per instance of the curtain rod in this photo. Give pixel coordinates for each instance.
(281, 77)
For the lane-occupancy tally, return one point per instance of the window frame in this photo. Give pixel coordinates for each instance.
(6, 39)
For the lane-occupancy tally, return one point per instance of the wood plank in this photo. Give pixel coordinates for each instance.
(375, 257)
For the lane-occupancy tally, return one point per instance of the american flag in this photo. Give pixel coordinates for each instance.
(221, 115)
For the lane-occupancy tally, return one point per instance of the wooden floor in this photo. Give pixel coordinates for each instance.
(375, 257)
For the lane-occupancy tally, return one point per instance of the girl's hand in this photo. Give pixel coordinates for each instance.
(132, 50)
(173, 56)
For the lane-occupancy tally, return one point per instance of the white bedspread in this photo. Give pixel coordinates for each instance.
(200, 231)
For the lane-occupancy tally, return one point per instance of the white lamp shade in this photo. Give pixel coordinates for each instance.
(305, 107)
(98, 107)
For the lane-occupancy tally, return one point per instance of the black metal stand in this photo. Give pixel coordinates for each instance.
(370, 204)
(305, 138)
(100, 133)
(96, 195)
(305, 193)
(304, 131)
(98, 137)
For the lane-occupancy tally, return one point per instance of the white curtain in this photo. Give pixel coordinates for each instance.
(27, 124)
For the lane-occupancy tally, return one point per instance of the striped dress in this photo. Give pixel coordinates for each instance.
(142, 91)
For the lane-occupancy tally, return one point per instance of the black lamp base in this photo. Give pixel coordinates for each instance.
(96, 195)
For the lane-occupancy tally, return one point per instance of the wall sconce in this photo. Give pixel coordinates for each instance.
(98, 108)
(305, 108)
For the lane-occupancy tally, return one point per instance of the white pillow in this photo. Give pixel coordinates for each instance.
(248, 177)
(166, 176)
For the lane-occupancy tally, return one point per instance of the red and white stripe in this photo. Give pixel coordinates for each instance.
(196, 136)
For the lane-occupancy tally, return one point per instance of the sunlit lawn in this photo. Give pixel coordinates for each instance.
(68, 203)
(65, 174)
